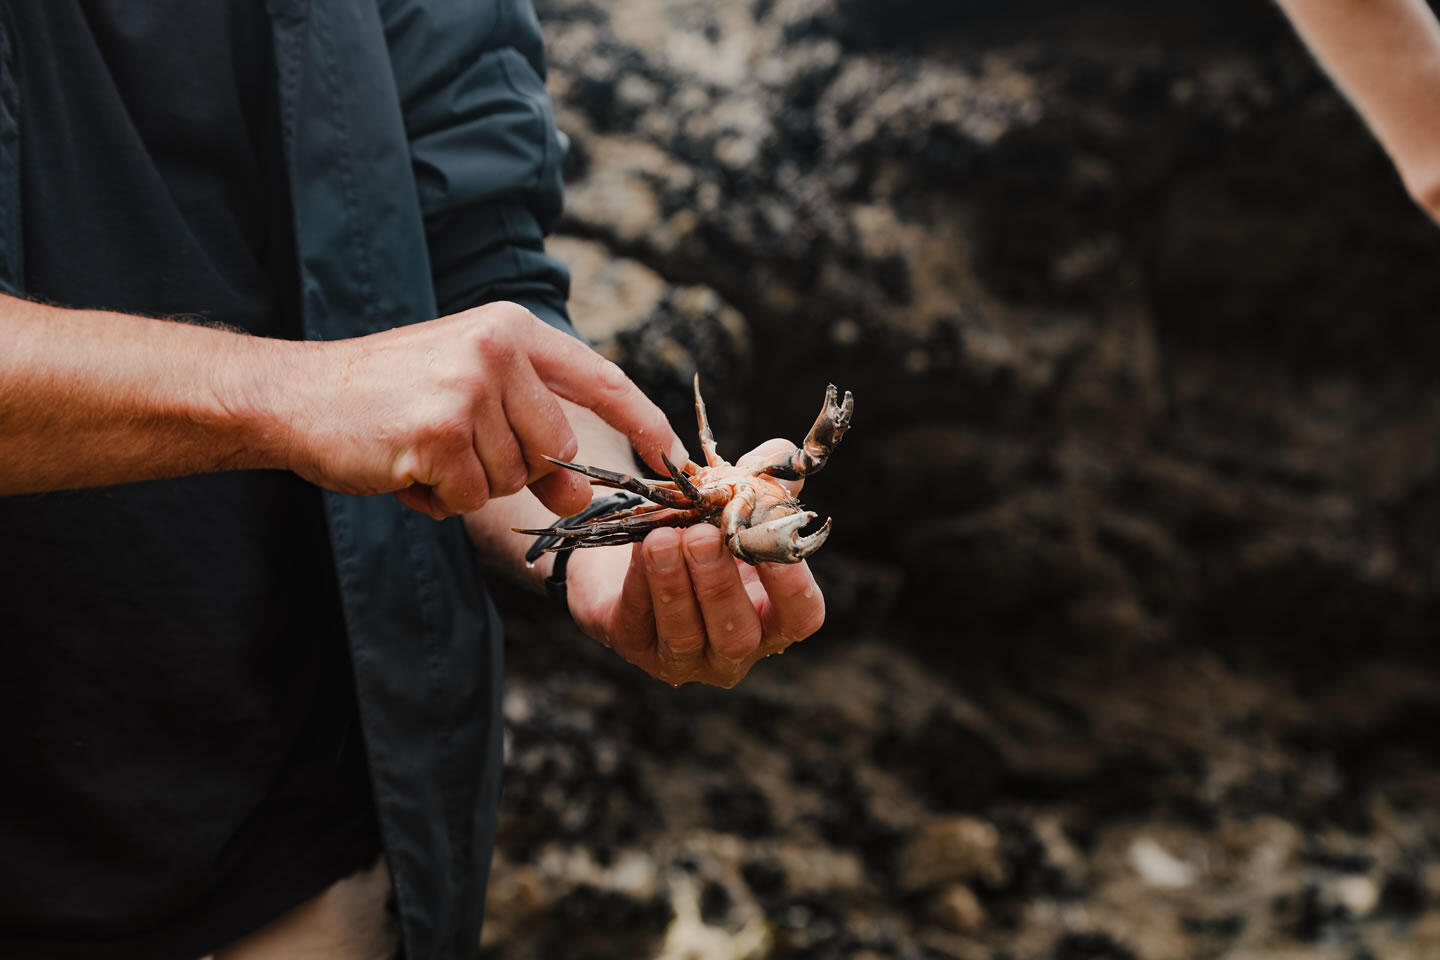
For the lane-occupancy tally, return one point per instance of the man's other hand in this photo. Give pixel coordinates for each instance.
(451, 413)
(681, 608)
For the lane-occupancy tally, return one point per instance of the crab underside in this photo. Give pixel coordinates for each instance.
(760, 519)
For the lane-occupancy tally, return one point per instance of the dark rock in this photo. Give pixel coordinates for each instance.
(1137, 523)
(967, 779)
(590, 924)
(1318, 919)
(740, 808)
(1090, 946)
(1226, 926)
(1341, 861)
(765, 879)
(1402, 896)
(715, 903)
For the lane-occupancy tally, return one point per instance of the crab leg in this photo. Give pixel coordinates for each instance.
(645, 509)
(627, 530)
(736, 517)
(820, 442)
(681, 480)
(707, 438)
(611, 478)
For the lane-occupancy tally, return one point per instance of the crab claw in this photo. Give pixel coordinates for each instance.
(779, 540)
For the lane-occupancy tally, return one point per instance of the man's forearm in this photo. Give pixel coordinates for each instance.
(1385, 56)
(447, 414)
(90, 398)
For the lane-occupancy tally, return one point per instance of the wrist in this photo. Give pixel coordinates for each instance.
(265, 397)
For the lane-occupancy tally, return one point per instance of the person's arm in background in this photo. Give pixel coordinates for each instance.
(445, 414)
(1385, 56)
(487, 161)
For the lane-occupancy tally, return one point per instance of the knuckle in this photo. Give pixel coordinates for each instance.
(742, 645)
(493, 337)
(510, 312)
(611, 379)
(506, 472)
(713, 589)
(448, 439)
(684, 645)
(443, 426)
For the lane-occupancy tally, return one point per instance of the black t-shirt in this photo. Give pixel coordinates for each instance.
(178, 727)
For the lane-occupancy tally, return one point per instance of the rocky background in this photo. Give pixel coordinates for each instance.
(1136, 532)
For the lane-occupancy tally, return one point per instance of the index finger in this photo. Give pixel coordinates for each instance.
(582, 376)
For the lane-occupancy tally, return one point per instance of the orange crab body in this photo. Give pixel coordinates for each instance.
(760, 519)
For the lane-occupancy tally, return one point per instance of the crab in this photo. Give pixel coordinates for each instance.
(760, 519)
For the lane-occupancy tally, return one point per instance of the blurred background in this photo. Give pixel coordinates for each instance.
(1136, 531)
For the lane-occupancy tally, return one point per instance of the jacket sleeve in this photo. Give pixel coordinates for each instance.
(486, 154)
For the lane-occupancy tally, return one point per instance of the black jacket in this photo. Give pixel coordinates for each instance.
(424, 168)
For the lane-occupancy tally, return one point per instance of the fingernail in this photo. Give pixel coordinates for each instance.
(665, 559)
(678, 454)
(706, 550)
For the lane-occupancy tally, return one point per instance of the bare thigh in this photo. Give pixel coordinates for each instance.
(347, 921)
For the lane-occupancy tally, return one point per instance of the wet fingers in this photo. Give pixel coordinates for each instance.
(793, 608)
(732, 626)
(679, 627)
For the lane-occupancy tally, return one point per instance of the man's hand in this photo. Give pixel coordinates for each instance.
(451, 413)
(681, 608)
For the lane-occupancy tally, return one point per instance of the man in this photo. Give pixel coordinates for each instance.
(228, 692)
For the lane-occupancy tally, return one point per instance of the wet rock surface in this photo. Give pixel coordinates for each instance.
(1167, 806)
(1134, 570)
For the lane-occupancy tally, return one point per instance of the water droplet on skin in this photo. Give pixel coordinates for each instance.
(809, 592)
(529, 564)
(729, 625)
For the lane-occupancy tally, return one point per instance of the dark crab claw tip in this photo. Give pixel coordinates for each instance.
(784, 530)
(805, 546)
(839, 411)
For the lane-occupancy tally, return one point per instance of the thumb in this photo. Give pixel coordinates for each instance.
(422, 499)
(563, 492)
